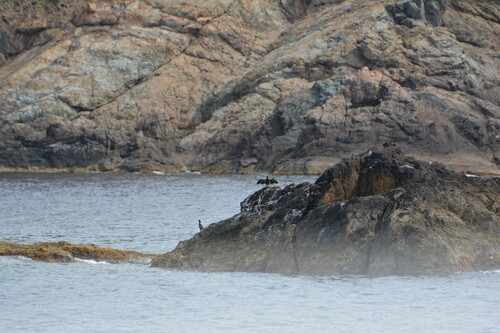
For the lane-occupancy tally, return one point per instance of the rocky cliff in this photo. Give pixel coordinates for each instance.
(243, 86)
(380, 213)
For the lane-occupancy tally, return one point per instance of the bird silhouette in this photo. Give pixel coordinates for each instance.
(200, 225)
(267, 181)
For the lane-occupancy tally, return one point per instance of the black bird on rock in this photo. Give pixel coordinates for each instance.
(200, 225)
(267, 181)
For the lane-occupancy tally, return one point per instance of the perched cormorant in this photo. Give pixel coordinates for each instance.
(200, 225)
(267, 181)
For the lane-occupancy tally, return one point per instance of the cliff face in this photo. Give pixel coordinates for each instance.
(380, 213)
(242, 86)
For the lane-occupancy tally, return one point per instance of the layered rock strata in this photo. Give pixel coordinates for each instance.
(241, 86)
(380, 213)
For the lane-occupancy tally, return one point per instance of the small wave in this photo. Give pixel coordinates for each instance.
(193, 172)
(92, 262)
(15, 258)
(493, 271)
(158, 173)
(23, 258)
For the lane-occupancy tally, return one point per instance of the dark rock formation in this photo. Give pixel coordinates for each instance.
(241, 86)
(67, 252)
(412, 13)
(377, 214)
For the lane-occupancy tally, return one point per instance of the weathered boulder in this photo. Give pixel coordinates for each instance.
(67, 252)
(241, 86)
(379, 213)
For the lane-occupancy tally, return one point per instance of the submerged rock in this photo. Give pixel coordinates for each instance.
(379, 213)
(67, 252)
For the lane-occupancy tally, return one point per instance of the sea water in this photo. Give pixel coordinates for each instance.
(152, 213)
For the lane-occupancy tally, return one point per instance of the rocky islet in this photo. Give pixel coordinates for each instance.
(289, 86)
(379, 213)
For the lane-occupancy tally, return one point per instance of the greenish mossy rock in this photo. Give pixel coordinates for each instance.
(67, 252)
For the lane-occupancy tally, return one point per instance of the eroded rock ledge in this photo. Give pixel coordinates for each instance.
(67, 252)
(379, 213)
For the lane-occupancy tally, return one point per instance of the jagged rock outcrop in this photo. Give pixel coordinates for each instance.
(67, 252)
(243, 86)
(379, 213)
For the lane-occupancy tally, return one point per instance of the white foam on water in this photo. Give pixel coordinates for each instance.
(158, 173)
(493, 271)
(23, 258)
(92, 262)
(15, 258)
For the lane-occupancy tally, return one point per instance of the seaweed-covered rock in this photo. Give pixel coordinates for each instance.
(378, 213)
(67, 252)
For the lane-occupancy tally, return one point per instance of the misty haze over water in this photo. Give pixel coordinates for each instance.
(152, 213)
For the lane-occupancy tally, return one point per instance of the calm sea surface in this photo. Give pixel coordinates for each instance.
(152, 213)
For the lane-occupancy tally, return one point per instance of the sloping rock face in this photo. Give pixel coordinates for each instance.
(380, 213)
(242, 86)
